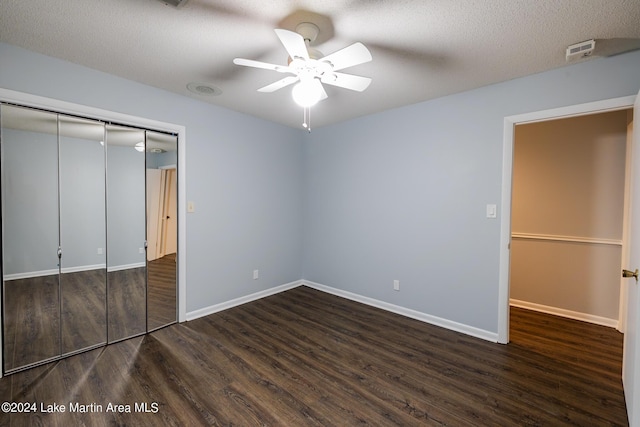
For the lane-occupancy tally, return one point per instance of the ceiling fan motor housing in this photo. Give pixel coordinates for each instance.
(308, 31)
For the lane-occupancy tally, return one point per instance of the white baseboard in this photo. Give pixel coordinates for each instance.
(413, 314)
(126, 266)
(83, 268)
(417, 315)
(31, 274)
(575, 315)
(192, 315)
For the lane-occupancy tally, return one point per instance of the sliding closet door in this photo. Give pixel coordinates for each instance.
(30, 239)
(162, 229)
(76, 270)
(126, 255)
(83, 278)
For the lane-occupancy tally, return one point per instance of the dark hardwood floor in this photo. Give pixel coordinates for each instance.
(303, 357)
(126, 303)
(60, 314)
(162, 292)
(37, 320)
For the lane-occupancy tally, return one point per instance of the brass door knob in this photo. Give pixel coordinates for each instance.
(628, 273)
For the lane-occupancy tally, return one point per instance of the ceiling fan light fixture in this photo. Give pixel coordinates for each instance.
(310, 68)
(306, 94)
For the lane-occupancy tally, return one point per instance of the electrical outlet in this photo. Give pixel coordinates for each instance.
(256, 274)
(396, 285)
(141, 250)
(99, 251)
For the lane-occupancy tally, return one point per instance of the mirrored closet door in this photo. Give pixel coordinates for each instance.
(126, 265)
(30, 236)
(80, 200)
(162, 229)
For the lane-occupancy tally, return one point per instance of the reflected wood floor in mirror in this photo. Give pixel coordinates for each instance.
(83, 309)
(126, 303)
(31, 320)
(161, 299)
(303, 357)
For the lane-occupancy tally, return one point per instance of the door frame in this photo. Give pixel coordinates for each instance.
(510, 123)
(168, 198)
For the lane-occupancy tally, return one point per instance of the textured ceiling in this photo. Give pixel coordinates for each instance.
(422, 49)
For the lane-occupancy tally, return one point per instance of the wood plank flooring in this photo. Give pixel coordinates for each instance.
(40, 325)
(126, 303)
(306, 358)
(38, 320)
(161, 291)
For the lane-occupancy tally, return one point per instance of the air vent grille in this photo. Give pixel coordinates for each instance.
(174, 3)
(580, 50)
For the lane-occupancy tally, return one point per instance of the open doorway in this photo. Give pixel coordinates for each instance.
(507, 175)
(567, 211)
(161, 207)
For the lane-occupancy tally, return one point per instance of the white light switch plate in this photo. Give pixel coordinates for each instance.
(492, 211)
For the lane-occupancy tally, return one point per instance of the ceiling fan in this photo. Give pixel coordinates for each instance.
(310, 69)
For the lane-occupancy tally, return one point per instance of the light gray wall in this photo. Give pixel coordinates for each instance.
(156, 160)
(82, 203)
(30, 178)
(402, 194)
(396, 195)
(30, 204)
(568, 181)
(244, 175)
(126, 207)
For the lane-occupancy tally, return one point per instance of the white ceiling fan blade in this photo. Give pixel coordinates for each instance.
(264, 65)
(352, 55)
(279, 84)
(293, 43)
(347, 81)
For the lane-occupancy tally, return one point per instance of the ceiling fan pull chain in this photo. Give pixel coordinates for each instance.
(306, 118)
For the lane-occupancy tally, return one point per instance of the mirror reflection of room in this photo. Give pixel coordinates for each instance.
(126, 264)
(30, 236)
(89, 220)
(162, 228)
(82, 231)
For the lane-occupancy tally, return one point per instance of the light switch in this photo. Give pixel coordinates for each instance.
(492, 211)
(191, 207)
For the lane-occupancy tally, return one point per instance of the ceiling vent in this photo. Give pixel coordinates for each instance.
(581, 50)
(174, 3)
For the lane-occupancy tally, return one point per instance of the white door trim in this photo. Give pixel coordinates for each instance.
(626, 230)
(507, 176)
